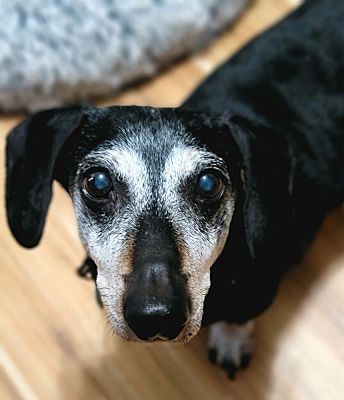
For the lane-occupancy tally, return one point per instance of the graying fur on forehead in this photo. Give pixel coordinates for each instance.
(152, 142)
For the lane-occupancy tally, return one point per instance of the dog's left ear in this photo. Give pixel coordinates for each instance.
(266, 184)
(32, 149)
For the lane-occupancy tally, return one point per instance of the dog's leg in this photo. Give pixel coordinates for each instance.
(88, 270)
(230, 345)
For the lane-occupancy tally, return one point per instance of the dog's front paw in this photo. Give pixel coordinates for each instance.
(88, 270)
(230, 345)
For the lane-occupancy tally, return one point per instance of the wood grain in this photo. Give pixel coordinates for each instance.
(55, 342)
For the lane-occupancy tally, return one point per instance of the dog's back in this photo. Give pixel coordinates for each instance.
(291, 79)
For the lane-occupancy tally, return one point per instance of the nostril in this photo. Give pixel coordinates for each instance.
(155, 319)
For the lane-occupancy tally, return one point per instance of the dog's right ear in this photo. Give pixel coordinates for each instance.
(31, 152)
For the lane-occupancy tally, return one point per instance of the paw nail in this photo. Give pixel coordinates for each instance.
(245, 361)
(212, 356)
(230, 369)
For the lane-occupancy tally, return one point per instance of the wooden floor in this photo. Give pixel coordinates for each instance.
(55, 343)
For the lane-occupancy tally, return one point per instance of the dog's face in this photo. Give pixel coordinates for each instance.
(153, 206)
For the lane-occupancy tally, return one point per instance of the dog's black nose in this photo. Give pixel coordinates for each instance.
(150, 319)
(156, 303)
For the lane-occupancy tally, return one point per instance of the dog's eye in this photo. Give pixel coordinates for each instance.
(210, 186)
(98, 184)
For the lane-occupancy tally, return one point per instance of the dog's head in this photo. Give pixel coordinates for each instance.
(154, 193)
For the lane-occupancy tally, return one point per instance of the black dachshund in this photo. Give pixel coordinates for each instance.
(191, 216)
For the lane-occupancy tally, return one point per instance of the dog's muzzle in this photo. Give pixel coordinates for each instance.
(156, 304)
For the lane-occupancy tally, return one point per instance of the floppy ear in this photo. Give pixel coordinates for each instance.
(265, 181)
(31, 152)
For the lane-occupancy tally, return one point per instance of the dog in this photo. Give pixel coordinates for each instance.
(191, 216)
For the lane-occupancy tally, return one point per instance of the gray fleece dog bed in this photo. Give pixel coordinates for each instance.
(55, 52)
